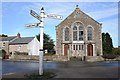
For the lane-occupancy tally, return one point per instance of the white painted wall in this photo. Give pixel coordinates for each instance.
(33, 47)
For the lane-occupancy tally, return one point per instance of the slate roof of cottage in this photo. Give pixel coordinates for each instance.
(7, 38)
(23, 40)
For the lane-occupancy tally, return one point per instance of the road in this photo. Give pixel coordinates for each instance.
(72, 69)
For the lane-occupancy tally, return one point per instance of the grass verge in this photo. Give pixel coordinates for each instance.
(46, 75)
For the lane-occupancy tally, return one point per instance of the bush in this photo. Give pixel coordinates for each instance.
(109, 56)
(116, 51)
(2, 53)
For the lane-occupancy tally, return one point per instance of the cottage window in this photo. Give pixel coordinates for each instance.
(4, 44)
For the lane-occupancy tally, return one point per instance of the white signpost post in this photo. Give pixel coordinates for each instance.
(41, 25)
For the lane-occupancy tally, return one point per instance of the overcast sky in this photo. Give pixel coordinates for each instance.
(16, 14)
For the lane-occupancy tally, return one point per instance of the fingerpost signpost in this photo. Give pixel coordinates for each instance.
(41, 25)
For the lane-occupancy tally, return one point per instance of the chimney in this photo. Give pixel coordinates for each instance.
(18, 35)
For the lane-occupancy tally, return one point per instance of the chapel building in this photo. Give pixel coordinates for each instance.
(79, 35)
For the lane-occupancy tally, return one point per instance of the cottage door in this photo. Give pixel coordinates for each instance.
(90, 50)
(66, 47)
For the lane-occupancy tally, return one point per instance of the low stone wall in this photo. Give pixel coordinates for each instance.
(99, 58)
(45, 58)
(94, 58)
(56, 58)
(24, 57)
(118, 58)
(61, 58)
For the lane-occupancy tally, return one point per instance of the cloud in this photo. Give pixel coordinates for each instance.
(104, 13)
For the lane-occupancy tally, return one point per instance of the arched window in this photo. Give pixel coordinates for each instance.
(78, 31)
(66, 34)
(89, 33)
(75, 33)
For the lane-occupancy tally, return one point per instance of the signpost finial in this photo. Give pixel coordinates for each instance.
(76, 6)
(42, 8)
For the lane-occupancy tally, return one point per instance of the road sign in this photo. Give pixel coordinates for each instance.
(32, 25)
(53, 16)
(41, 25)
(34, 14)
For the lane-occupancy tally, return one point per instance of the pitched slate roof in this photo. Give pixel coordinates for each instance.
(75, 12)
(23, 40)
(7, 38)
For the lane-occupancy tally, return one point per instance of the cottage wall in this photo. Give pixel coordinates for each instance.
(18, 47)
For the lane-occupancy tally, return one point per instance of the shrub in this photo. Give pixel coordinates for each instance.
(116, 51)
(109, 56)
(2, 53)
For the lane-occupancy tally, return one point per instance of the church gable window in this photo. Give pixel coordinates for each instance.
(90, 33)
(80, 27)
(75, 33)
(81, 32)
(66, 34)
(80, 35)
(75, 28)
(78, 32)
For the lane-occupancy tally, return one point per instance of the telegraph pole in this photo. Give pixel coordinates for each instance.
(41, 25)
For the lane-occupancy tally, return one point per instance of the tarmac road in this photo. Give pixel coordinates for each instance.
(78, 69)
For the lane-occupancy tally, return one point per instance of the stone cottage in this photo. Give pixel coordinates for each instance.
(4, 44)
(20, 44)
(28, 45)
(79, 35)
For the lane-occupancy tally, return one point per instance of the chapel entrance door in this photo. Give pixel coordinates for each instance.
(66, 48)
(90, 50)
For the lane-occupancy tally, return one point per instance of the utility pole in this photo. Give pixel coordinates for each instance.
(41, 25)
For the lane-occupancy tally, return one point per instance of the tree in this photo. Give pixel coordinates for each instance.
(116, 51)
(3, 35)
(103, 42)
(107, 43)
(48, 42)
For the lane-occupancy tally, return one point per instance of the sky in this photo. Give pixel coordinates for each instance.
(15, 15)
